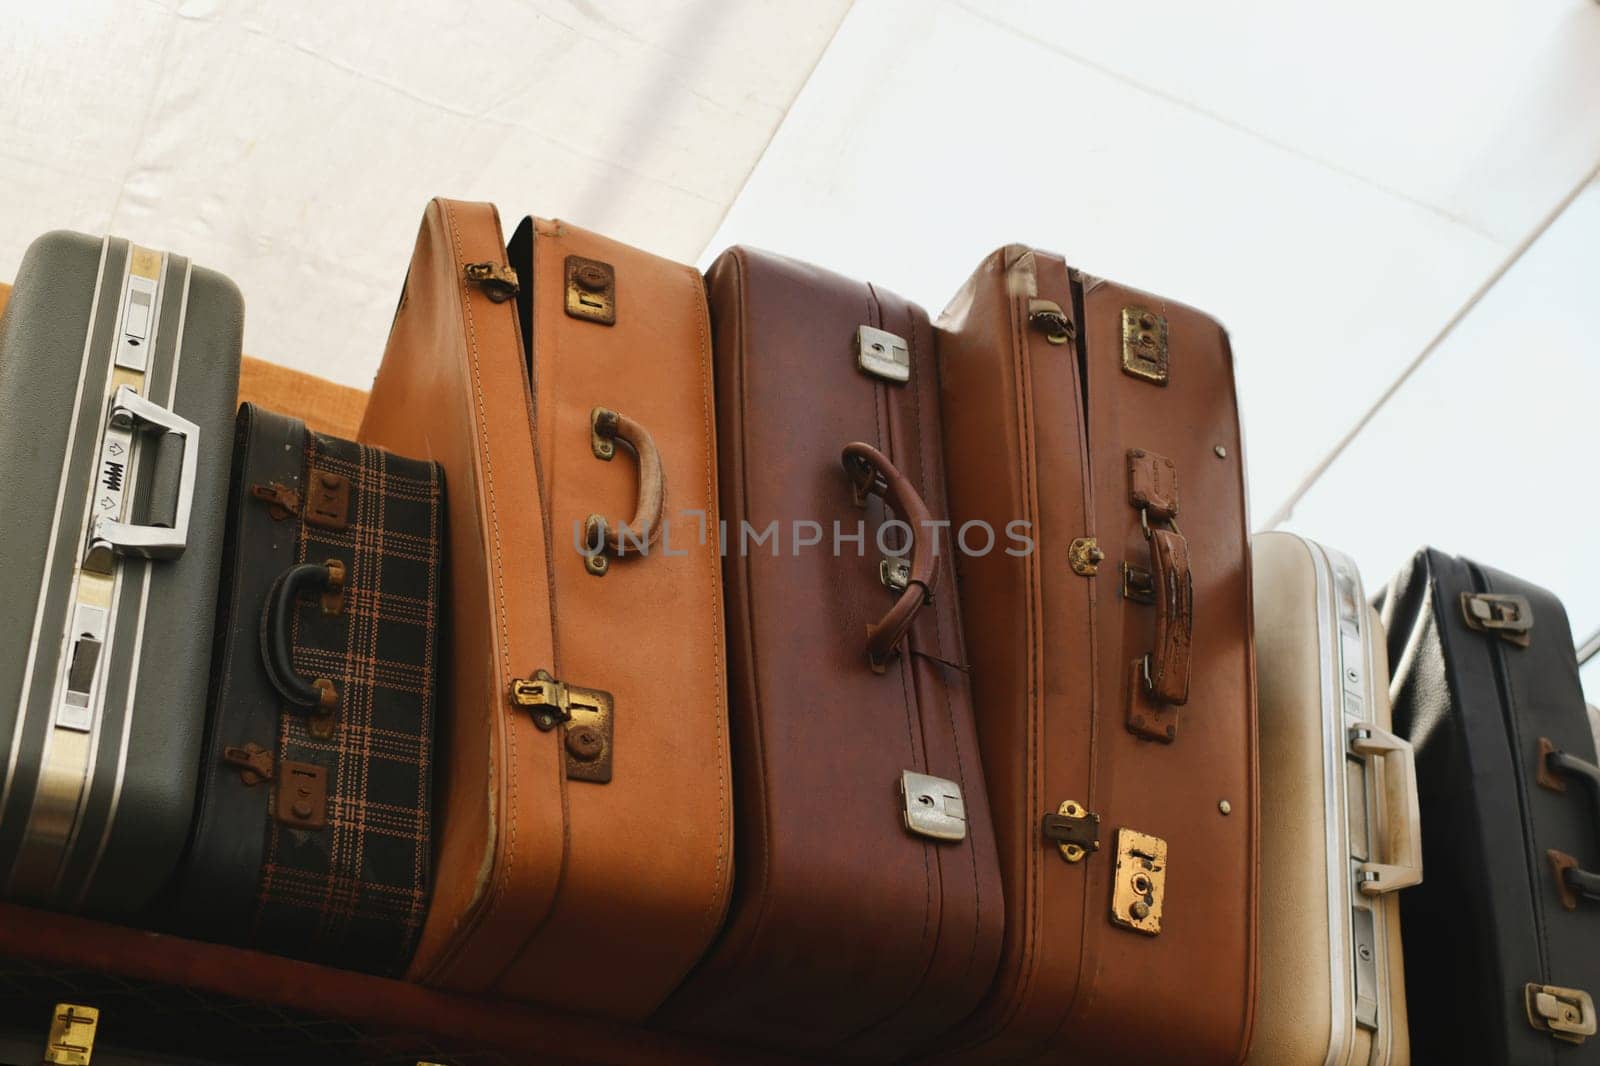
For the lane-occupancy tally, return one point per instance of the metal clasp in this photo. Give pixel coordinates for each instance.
(588, 714)
(499, 283)
(71, 1040)
(1047, 317)
(591, 290)
(895, 574)
(1565, 1013)
(1085, 555)
(933, 806)
(253, 761)
(883, 354)
(1075, 830)
(1139, 882)
(1511, 617)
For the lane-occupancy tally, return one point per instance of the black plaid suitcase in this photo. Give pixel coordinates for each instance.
(314, 833)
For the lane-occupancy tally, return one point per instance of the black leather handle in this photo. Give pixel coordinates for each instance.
(277, 645)
(1585, 883)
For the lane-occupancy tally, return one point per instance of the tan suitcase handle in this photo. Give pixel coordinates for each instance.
(600, 535)
(872, 474)
(1404, 831)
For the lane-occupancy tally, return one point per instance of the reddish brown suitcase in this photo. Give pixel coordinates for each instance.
(867, 914)
(1112, 664)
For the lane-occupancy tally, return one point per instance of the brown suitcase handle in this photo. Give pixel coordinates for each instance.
(600, 535)
(872, 474)
(1166, 668)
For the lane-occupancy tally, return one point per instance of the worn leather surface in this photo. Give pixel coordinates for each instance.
(1295, 1014)
(649, 855)
(1040, 433)
(1488, 918)
(849, 937)
(452, 388)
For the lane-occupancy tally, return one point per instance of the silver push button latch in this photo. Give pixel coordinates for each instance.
(933, 806)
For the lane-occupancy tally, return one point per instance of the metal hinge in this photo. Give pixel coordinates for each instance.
(71, 1040)
(1565, 1013)
(933, 806)
(1074, 829)
(499, 283)
(1511, 617)
(587, 713)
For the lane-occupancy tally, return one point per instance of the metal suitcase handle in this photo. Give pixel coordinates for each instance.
(600, 536)
(872, 474)
(320, 694)
(1404, 830)
(131, 411)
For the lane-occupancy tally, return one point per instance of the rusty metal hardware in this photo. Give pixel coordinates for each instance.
(933, 806)
(1509, 617)
(587, 713)
(71, 1039)
(333, 592)
(1074, 829)
(1149, 718)
(302, 795)
(1565, 1013)
(499, 283)
(1047, 317)
(603, 433)
(1139, 882)
(1085, 556)
(883, 354)
(328, 499)
(895, 574)
(254, 762)
(591, 290)
(1144, 345)
(1137, 584)
(320, 723)
(282, 501)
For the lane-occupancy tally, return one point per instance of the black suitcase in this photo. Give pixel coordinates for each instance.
(1502, 938)
(314, 833)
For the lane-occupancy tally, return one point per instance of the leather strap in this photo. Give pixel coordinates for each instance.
(872, 474)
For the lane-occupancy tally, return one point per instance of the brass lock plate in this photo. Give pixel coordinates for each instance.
(587, 714)
(933, 806)
(327, 499)
(1144, 344)
(1139, 882)
(71, 1040)
(1565, 1013)
(883, 354)
(591, 290)
(302, 796)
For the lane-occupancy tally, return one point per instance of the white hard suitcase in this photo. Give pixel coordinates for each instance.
(1339, 817)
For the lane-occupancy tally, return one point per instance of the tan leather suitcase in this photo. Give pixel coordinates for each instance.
(586, 846)
(1340, 829)
(1112, 663)
(868, 915)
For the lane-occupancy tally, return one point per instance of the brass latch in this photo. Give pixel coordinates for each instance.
(883, 354)
(302, 799)
(254, 762)
(591, 290)
(1509, 616)
(933, 806)
(1085, 555)
(499, 283)
(1074, 829)
(71, 1040)
(1047, 317)
(1565, 1013)
(1139, 882)
(1144, 345)
(587, 714)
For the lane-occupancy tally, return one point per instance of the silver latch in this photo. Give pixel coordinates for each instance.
(1511, 617)
(895, 574)
(933, 806)
(1565, 1013)
(883, 354)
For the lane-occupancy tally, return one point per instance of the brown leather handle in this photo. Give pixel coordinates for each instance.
(600, 534)
(872, 474)
(1166, 669)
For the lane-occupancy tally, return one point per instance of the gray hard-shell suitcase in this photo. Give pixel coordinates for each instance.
(119, 368)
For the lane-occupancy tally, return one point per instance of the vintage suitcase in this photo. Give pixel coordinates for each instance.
(587, 845)
(1111, 659)
(868, 915)
(1502, 952)
(314, 832)
(118, 367)
(1339, 823)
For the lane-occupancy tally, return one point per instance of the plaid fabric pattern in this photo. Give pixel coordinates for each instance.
(354, 893)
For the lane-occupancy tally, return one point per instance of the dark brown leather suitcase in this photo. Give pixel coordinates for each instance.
(1112, 664)
(866, 916)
